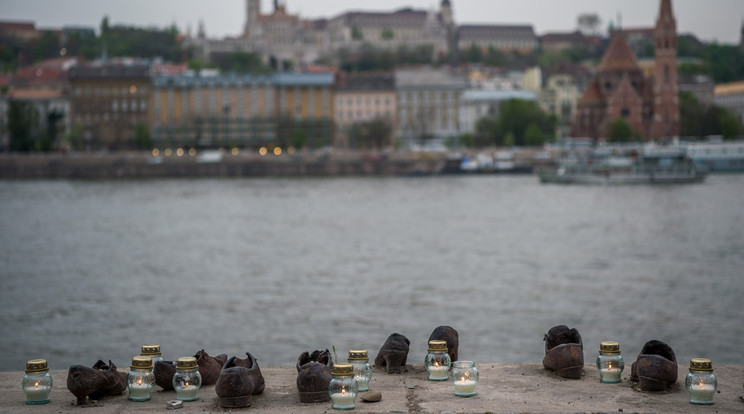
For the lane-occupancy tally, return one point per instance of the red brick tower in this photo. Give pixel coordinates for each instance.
(666, 101)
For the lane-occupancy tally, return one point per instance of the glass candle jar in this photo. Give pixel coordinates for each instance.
(140, 378)
(187, 379)
(343, 387)
(437, 361)
(609, 362)
(37, 383)
(465, 378)
(700, 382)
(153, 351)
(359, 359)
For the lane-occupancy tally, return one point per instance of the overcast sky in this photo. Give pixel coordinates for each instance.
(708, 19)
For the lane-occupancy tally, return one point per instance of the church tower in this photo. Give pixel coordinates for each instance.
(253, 10)
(666, 101)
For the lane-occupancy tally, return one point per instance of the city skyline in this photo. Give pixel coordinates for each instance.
(719, 21)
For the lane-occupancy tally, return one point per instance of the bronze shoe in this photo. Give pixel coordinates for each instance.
(393, 354)
(238, 381)
(656, 367)
(314, 376)
(100, 381)
(164, 372)
(564, 352)
(449, 335)
(209, 367)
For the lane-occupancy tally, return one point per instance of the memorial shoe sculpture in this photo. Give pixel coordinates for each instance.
(655, 369)
(393, 353)
(99, 381)
(209, 369)
(449, 335)
(239, 380)
(564, 352)
(314, 375)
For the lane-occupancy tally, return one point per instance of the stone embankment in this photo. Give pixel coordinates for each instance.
(225, 164)
(142, 165)
(503, 388)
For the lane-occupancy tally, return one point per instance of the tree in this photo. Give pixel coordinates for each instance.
(621, 131)
(142, 138)
(22, 119)
(698, 120)
(375, 133)
(533, 136)
(589, 23)
(387, 34)
(74, 138)
(356, 33)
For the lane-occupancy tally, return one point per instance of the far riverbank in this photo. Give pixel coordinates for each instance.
(144, 165)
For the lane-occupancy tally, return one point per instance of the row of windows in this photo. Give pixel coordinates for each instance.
(106, 117)
(360, 115)
(368, 101)
(110, 90)
(427, 96)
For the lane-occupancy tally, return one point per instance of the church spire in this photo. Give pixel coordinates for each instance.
(666, 107)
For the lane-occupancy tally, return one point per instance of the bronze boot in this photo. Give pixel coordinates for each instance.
(449, 335)
(656, 367)
(164, 372)
(100, 381)
(564, 352)
(393, 353)
(238, 381)
(209, 367)
(314, 376)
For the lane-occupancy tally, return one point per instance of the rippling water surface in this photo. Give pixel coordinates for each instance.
(94, 269)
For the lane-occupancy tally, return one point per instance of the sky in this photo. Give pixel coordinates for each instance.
(710, 20)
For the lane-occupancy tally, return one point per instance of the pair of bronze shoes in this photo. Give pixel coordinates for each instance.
(239, 380)
(209, 369)
(394, 352)
(102, 380)
(655, 369)
(314, 375)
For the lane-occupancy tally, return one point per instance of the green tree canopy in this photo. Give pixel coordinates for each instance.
(621, 131)
(520, 119)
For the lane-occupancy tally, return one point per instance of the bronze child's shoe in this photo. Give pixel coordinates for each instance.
(209, 367)
(448, 334)
(314, 376)
(393, 354)
(238, 381)
(564, 352)
(656, 367)
(100, 381)
(164, 372)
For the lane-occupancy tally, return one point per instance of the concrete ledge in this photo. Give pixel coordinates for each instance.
(503, 388)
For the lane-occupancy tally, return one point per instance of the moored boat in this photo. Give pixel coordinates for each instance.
(653, 167)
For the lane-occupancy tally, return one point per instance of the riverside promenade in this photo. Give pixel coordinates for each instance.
(503, 388)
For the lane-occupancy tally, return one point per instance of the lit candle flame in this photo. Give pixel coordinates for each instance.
(609, 365)
(462, 378)
(36, 385)
(701, 383)
(185, 383)
(139, 381)
(436, 363)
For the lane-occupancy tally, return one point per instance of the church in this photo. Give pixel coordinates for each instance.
(621, 90)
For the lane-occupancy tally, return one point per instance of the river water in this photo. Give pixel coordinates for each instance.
(94, 269)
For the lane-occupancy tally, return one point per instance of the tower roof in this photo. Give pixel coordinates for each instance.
(618, 56)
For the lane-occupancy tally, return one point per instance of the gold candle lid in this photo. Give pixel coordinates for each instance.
(342, 370)
(186, 363)
(150, 350)
(358, 355)
(37, 365)
(609, 347)
(701, 364)
(141, 362)
(437, 346)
